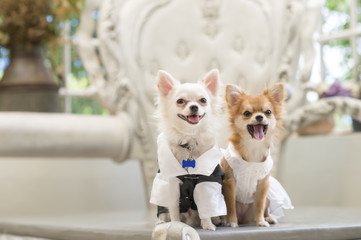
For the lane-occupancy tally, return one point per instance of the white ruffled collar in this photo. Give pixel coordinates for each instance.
(237, 162)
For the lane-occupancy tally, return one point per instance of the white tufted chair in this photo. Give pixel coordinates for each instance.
(254, 43)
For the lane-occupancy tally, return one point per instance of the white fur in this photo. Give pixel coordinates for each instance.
(201, 136)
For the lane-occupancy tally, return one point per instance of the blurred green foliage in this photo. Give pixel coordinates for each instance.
(81, 105)
(341, 9)
(338, 11)
(89, 106)
(35, 22)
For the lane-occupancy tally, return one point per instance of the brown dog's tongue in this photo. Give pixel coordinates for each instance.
(258, 132)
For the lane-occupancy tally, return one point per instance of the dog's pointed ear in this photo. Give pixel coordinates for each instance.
(211, 81)
(276, 92)
(165, 83)
(233, 93)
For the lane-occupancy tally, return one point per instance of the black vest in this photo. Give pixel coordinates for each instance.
(189, 182)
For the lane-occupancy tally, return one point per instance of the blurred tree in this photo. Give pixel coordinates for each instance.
(62, 10)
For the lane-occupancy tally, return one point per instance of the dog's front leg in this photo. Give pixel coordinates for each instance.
(261, 197)
(207, 224)
(267, 217)
(174, 213)
(163, 218)
(229, 193)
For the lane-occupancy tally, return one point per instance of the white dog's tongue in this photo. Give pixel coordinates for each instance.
(193, 118)
(258, 132)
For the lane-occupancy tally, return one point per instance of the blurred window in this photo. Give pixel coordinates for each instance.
(340, 41)
(75, 80)
(338, 53)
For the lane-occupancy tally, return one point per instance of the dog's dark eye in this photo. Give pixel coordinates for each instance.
(247, 113)
(180, 101)
(203, 100)
(268, 112)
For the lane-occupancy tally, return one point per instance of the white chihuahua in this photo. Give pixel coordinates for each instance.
(189, 178)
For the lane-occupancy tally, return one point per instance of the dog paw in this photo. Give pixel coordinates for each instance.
(263, 224)
(208, 225)
(232, 224)
(217, 221)
(271, 220)
(158, 222)
(223, 221)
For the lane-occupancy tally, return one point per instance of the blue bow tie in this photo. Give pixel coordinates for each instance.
(188, 163)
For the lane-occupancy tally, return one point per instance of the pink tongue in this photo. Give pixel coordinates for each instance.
(258, 132)
(193, 118)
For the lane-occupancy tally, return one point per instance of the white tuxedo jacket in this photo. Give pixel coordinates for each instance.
(166, 186)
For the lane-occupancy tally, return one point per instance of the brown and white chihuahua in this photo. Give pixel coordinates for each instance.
(255, 121)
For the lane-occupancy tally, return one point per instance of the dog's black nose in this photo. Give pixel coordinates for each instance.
(259, 118)
(194, 108)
